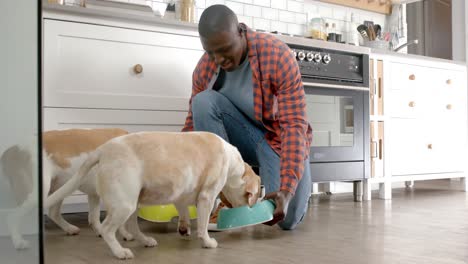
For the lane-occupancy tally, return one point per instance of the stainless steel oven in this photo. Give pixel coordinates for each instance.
(336, 82)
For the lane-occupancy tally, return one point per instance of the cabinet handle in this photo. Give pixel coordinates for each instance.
(380, 149)
(412, 77)
(429, 146)
(138, 68)
(412, 104)
(449, 107)
(449, 82)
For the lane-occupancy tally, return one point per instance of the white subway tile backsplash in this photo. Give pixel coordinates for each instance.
(237, 8)
(339, 14)
(295, 29)
(295, 6)
(246, 20)
(266, 3)
(253, 11)
(285, 16)
(200, 3)
(270, 13)
(199, 12)
(259, 23)
(278, 4)
(279, 26)
(301, 19)
(245, 1)
(214, 2)
(326, 11)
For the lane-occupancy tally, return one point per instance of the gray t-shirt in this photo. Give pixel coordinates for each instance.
(238, 88)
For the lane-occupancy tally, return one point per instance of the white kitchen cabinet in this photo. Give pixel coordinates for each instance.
(130, 120)
(423, 120)
(100, 66)
(105, 72)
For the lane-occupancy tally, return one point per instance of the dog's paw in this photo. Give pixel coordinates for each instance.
(21, 244)
(184, 231)
(72, 230)
(149, 242)
(124, 253)
(128, 237)
(210, 243)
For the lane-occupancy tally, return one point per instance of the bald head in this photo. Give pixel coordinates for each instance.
(216, 19)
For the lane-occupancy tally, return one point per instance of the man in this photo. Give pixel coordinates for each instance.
(247, 89)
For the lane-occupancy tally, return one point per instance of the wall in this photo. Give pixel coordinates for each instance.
(286, 16)
(459, 37)
(291, 16)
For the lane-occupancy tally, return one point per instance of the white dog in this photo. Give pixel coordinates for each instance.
(64, 151)
(151, 168)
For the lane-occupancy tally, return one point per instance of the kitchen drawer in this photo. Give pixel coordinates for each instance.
(131, 120)
(407, 77)
(407, 104)
(93, 66)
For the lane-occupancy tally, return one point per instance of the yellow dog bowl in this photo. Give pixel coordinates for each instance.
(163, 213)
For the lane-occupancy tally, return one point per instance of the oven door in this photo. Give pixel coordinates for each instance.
(339, 117)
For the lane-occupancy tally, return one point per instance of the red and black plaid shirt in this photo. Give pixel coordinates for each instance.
(279, 101)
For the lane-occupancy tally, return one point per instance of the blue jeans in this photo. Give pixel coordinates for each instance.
(213, 112)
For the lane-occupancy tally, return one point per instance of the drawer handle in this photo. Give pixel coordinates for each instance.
(449, 107)
(429, 146)
(138, 69)
(449, 82)
(412, 77)
(412, 104)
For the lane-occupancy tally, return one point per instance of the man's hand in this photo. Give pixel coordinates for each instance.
(281, 199)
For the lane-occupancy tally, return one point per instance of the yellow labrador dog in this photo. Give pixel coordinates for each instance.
(150, 168)
(64, 151)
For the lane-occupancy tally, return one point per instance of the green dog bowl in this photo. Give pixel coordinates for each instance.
(245, 216)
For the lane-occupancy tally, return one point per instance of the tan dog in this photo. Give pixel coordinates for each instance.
(64, 152)
(151, 168)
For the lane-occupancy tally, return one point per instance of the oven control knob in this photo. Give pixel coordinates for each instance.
(317, 57)
(326, 59)
(294, 53)
(301, 55)
(309, 56)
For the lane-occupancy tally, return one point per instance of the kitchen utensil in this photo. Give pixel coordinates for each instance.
(370, 31)
(362, 29)
(163, 213)
(243, 216)
(378, 31)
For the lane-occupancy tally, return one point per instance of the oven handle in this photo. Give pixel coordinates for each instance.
(336, 86)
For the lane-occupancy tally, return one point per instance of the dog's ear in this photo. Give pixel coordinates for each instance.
(252, 185)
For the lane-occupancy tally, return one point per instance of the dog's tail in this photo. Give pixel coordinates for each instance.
(74, 183)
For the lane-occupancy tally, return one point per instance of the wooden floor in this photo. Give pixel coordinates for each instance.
(428, 224)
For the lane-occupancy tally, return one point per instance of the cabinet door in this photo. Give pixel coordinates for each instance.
(377, 148)
(409, 147)
(93, 66)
